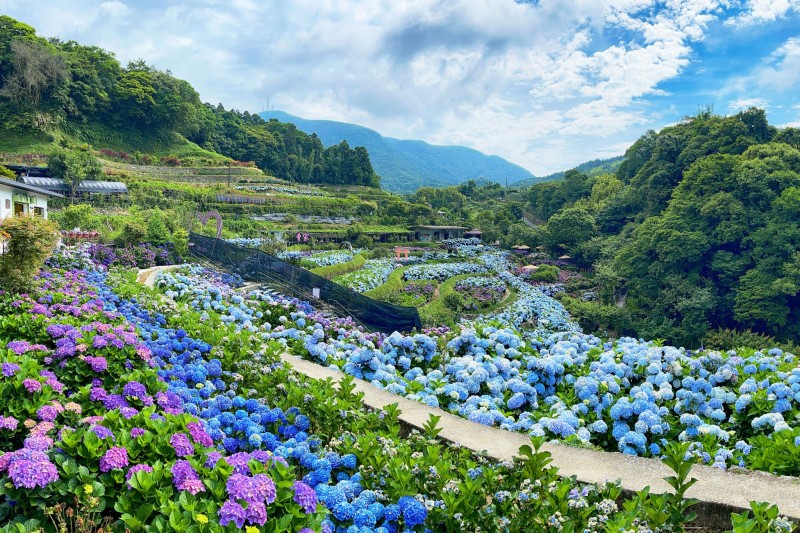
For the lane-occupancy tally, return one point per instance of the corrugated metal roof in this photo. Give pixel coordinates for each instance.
(26, 187)
(102, 186)
(440, 227)
(50, 184)
(55, 184)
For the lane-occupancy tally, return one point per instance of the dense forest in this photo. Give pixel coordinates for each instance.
(696, 231)
(47, 85)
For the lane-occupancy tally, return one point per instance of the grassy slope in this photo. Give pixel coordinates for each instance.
(98, 136)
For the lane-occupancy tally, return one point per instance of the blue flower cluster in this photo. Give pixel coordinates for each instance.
(375, 272)
(198, 385)
(529, 368)
(442, 271)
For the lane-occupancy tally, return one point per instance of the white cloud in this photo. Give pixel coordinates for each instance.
(745, 103)
(760, 11)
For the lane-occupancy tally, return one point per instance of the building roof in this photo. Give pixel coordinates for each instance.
(55, 184)
(440, 227)
(27, 188)
(475, 231)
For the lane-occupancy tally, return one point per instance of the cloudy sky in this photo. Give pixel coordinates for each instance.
(546, 84)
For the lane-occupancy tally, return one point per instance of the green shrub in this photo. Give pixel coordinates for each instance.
(595, 317)
(393, 284)
(732, 339)
(7, 173)
(180, 239)
(157, 232)
(31, 241)
(132, 233)
(363, 241)
(546, 273)
(76, 216)
(332, 271)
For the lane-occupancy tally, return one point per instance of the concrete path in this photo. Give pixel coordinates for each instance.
(720, 492)
(147, 276)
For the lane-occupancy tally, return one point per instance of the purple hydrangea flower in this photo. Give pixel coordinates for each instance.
(181, 471)
(239, 462)
(9, 369)
(29, 468)
(32, 385)
(305, 497)
(8, 422)
(18, 347)
(231, 512)
(181, 444)
(137, 432)
(99, 342)
(212, 459)
(128, 412)
(256, 513)
(102, 432)
(98, 394)
(47, 413)
(97, 364)
(199, 434)
(115, 401)
(134, 389)
(40, 443)
(192, 485)
(115, 457)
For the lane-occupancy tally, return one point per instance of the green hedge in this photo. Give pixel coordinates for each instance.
(393, 284)
(332, 271)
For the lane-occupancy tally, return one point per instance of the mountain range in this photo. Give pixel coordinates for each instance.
(406, 165)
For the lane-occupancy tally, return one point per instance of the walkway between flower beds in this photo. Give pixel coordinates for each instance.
(719, 491)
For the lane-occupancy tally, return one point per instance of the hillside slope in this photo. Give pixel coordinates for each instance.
(695, 232)
(406, 165)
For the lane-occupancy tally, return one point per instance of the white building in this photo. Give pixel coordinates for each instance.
(19, 199)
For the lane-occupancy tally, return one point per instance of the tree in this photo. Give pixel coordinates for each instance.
(74, 167)
(35, 70)
(76, 216)
(570, 227)
(157, 232)
(31, 241)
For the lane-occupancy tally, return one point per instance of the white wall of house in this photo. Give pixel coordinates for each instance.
(27, 203)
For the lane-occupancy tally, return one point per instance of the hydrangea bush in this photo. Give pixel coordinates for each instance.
(147, 414)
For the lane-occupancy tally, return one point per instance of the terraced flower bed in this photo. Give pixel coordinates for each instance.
(528, 368)
(413, 293)
(476, 293)
(124, 412)
(374, 273)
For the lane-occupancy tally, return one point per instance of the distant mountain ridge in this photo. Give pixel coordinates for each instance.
(406, 165)
(590, 168)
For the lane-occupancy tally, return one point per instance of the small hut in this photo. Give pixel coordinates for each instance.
(474, 234)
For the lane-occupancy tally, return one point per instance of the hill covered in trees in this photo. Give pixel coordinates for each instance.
(697, 230)
(594, 167)
(64, 92)
(406, 165)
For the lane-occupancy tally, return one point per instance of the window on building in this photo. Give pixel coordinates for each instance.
(19, 209)
(38, 212)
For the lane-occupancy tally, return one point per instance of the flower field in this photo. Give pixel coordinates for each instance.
(130, 412)
(374, 273)
(529, 368)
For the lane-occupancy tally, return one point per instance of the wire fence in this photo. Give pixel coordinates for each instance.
(256, 265)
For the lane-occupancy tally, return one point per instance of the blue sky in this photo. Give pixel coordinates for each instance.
(547, 84)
